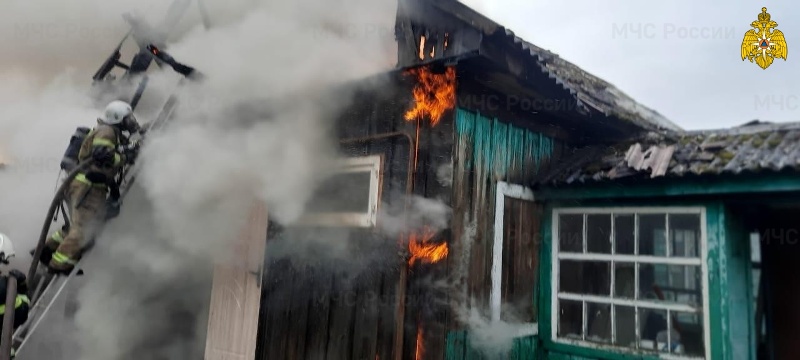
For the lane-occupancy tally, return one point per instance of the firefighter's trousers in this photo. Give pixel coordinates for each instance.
(88, 206)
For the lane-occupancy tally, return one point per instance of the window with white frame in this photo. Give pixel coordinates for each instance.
(515, 260)
(631, 278)
(349, 196)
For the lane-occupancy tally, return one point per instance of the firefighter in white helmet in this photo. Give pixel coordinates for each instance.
(21, 304)
(93, 193)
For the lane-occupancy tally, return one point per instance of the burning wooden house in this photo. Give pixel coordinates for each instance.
(498, 130)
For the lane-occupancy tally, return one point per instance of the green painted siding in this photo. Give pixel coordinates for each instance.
(774, 184)
(500, 151)
(487, 150)
(717, 279)
(740, 290)
(459, 347)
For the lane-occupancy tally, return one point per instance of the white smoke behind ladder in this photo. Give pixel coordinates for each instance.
(201, 175)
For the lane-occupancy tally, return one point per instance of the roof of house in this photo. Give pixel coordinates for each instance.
(593, 90)
(590, 90)
(755, 147)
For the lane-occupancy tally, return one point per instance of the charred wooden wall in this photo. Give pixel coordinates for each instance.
(369, 306)
(427, 33)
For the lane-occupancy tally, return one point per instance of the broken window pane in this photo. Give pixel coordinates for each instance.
(652, 235)
(585, 277)
(624, 280)
(598, 233)
(624, 234)
(675, 283)
(570, 319)
(598, 322)
(684, 235)
(345, 192)
(570, 233)
(652, 324)
(689, 328)
(625, 319)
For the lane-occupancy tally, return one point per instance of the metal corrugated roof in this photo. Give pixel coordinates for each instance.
(753, 148)
(592, 90)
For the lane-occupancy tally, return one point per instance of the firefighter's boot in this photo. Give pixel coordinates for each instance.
(52, 244)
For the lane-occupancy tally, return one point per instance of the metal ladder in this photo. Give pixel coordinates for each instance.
(48, 287)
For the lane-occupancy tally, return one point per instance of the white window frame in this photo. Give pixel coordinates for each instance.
(702, 261)
(513, 191)
(372, 164)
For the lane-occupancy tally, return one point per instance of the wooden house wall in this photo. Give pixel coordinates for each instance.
(326, 310)
(487, 150)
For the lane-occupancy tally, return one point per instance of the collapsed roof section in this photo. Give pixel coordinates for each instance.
(449, 32)
(755, 147)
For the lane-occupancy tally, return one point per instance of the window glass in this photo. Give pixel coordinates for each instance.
(655, 301)
(343, 192)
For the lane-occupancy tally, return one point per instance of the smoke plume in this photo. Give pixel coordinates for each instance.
(258, 129)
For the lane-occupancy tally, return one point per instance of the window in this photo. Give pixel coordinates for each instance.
(631, 278)
(515, 261)
(349, 197)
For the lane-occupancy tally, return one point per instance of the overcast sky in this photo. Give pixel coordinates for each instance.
(684, 62)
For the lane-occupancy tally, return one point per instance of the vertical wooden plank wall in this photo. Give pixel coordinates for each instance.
(486, 151)
(236, 295)
(322, 310)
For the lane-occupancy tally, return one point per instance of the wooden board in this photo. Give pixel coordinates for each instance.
(520, 258)
(236, 295)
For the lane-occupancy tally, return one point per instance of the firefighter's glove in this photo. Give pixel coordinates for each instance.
(18, 275)
(131, 153)
(112, 209)
(97, 177)
(22, 284)
(103, 157)
(113, 192)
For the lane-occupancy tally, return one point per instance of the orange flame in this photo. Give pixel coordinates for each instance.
(420, 351)
(421, 250)
(433, 95)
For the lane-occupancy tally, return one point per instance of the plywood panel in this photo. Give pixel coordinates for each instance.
(236, 294)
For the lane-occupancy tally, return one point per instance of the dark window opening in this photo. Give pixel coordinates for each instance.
(344, 192)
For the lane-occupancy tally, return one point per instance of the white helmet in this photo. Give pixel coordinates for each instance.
(116, 112)
(6, 248)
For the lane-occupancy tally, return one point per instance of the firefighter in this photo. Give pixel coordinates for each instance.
(93, 194)
(21, 304)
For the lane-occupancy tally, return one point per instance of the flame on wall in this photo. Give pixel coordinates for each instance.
(433, 94)
(423, 250)
(420, 348)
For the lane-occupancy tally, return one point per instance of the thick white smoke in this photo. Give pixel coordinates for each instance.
(492, 338)
(147, 296)
(201, 174)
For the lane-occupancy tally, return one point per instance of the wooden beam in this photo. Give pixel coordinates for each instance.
(543, 123)
(236, 294)
(707, 185)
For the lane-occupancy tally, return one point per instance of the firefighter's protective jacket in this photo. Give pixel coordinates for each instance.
(101, 136)
(21, 305)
